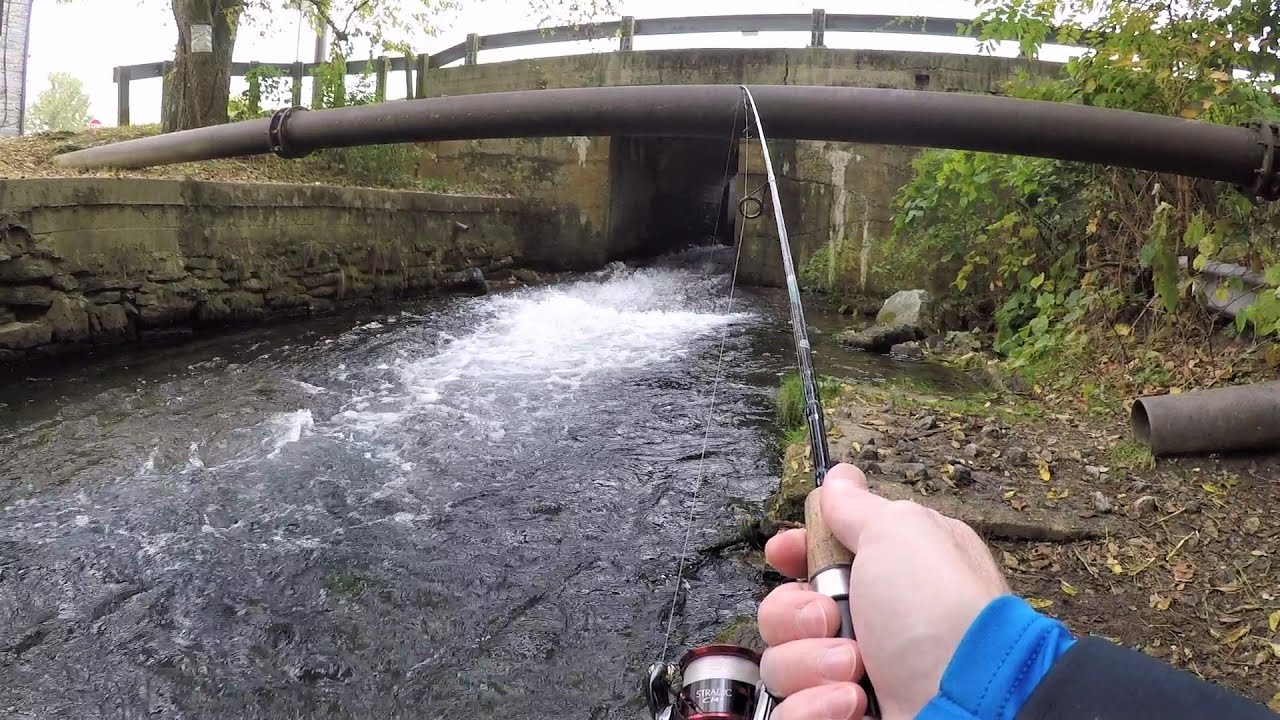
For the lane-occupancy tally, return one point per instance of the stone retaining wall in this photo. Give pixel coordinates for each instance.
(91, 261)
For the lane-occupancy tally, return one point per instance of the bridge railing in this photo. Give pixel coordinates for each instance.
(416, 67)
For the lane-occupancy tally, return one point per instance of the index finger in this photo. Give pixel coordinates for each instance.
(786, 552)
(847, 504)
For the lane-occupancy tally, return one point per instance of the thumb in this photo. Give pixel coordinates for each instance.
(847, 505)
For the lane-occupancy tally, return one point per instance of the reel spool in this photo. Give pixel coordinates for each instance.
(717, 682)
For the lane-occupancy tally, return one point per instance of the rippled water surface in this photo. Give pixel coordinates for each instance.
(470, 508)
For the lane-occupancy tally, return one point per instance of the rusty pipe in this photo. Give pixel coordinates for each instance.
(1238, 155)
(1236, 418)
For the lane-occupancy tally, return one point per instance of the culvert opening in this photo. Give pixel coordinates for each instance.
(670, 193)
(1140, 423)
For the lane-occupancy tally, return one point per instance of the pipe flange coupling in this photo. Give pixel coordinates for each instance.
(278, 134)
(1266, 185)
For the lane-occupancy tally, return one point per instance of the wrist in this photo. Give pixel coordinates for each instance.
(1001, 659)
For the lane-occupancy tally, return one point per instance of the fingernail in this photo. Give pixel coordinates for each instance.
(841, 702)
(812, 621)
(837, 663)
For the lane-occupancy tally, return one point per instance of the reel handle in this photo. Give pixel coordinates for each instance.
(829, 567)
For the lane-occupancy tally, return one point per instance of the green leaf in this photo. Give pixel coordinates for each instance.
(1038, 280)
(1273, 275)
(1146, 255)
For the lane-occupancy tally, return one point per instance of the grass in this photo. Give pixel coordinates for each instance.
(1132, 455)
(395, 166)
(790, 399)
(795, 435)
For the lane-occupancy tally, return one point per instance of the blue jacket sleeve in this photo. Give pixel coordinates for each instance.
(1016, 664)
(1001, 659)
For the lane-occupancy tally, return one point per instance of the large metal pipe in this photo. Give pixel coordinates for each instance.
(868, 115)
(1240, 417)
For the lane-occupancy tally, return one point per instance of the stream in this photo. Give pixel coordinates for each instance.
(463, 507)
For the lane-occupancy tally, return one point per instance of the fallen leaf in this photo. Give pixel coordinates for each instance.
(1055, 494)
(1041, 603)
(1273, 622)
(1018, 504)
(1160, 602)
(1011, 561)
(1234, 636)
(1069, 589)
(1275, 649)
(1212, 489)
(1274, 704)
(1045, 474)
(1116, 567)
(1009, 495)
(1182, 572)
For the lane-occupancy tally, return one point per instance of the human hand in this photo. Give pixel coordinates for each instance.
(918, 581)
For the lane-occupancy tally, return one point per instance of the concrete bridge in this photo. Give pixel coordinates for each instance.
(639, 195)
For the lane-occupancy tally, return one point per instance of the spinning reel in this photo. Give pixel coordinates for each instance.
(715, 682)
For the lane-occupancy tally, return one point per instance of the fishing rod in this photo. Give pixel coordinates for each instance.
(722, 681)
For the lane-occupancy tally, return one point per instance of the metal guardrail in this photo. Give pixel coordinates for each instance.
(417, 67)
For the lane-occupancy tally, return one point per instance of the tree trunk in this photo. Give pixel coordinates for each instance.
(198, 87)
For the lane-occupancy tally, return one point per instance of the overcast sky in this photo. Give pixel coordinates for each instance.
(87, 38)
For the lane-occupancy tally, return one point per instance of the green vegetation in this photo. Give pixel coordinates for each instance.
(1066, 258)
(790, 400)
(64, 105)
(1131, 455)
(1009, 408)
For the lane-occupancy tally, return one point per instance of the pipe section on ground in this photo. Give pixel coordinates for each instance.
(1240, 417)
(1244, 156)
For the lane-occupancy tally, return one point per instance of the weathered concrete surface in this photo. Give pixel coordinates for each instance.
(835, 193)
(102, 260)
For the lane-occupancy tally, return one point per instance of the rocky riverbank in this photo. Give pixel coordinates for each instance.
(1176, 558)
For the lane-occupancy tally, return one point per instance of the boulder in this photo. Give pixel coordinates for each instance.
(880, 338)
(68, 319)
(526, 276)
(29, 295)
(108, 321)
(907, 351)
(161, 306)
(470, 281)
(914, 308)
(27, 268)
(20, 336)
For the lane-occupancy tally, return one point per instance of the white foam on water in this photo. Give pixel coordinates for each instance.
(308, 387)
(285, 428)
(556, 337)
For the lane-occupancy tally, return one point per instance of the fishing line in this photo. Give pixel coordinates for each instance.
(715, 387)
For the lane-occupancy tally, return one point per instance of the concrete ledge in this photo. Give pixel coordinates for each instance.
(98, 261)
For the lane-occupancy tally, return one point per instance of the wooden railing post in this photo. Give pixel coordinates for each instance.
(473, 49)
(627, 33)
(166, 67)
(420, 87)
(380, 79)
(122, 96)
(410, 85)
(819, 36)
(296, 91)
